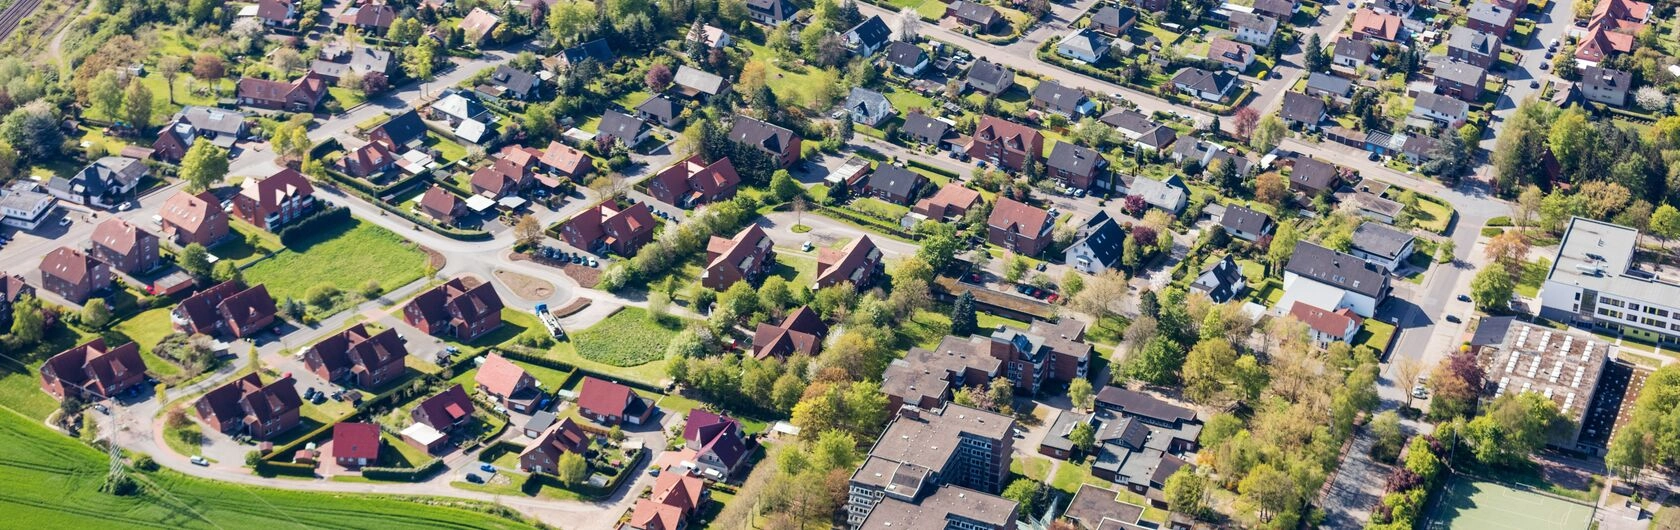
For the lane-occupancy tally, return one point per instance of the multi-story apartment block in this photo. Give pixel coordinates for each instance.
(1599, 281)
(921, 451)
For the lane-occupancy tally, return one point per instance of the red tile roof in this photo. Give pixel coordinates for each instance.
(1028, 220)
(499, 376)
(650, 515)
(190, 211)
(1332, 323)
(604, 397)
(355, 440)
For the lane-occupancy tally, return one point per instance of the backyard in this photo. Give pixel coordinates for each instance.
(629, 337)
(346, 258)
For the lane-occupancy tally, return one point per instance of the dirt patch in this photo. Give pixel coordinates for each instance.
(526, 287)
(586, 276)
(573, 307)
(434, 259)
(471, 281)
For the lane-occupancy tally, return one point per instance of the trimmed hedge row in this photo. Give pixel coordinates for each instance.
(404, 474)
(315, 223)
(268, 469)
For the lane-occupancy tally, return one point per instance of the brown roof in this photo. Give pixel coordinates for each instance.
(69, 264)
(439, 201)
(801, 332)
(562, 437)
(1016, 137)
(678, 489)
(1025, 219)
(448, 406)
(654, 515)
(274, 10)
(564, 158)
(500, 177)
(478, 23)
(693, 174)
(604, 397)
(92, 365)
(201, 309)
(357, 349)
(499, 376)
(735, 249)
(118, 235)
(310, 86)
(188, 211)
(249, 306)
(952, 194)
(837, 265)
(270, 192)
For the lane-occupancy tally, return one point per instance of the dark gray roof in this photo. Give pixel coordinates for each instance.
(622, 126)
(1462, 73)
(871, 33)
(516, 80)
(697, 79)
(1203, 80)
(1338, 269)
(1129, 120)
(865, 97)
(896, 181)
(1380, 240)
(1490, 13)
(1597, 78)
(597, 49)
(1329, 83)
(1239, 218)
(1105, 237)
(405, 127)
(1136, 403)
(974, 12)
(1057, 97)
(1075, 159)
(1258, 23)
(660, 107)
(772, 138)
(1224, 275)
(989, 72)
(1350, 47)
(220, 121)
(1277, 7)
(1312, 173)
(905, 54)
(1491, 331)
(1442, 104)
(1159, 137)
(1239, 161)
(924, 128)
(1114, 16)
(1468, 39)
(1302, 108)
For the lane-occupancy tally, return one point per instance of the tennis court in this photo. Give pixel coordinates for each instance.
(1488, 505)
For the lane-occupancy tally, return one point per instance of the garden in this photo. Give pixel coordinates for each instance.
(629, 337)
(338, 264)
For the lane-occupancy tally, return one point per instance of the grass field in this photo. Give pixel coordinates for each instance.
(1488, 505)
(345, 258)
(55, 483)
(148, 329)
(627, 338)
(1533, 274)
(20, 384)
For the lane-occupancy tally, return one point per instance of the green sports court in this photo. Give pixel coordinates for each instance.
(1482, 505)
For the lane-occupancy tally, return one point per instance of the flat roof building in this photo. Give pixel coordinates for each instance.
(1599, 280)
(1563, 366)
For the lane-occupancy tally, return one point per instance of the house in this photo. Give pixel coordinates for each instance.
(508, 384)
(1243, 223)
(1019, 227)
(1277, 9)
(1488, 17)
(478, 25)
(747, 256)
(712, 36)
(1006, 144)
(1066, 101)
(246, 406)
(358, 357)
(508, 82)
(610, 403)
(1254, 29)
(356, 444)
(1333, 280)
(458, 107)
(1382, 245)
(989, 77)
(1154, 6)
(1221, 282)
(105, 183)
(980, 17)
(802, 332)
(220, 127)
(1313, 177)
(771, 12)
(604, 227)
(12, 288)
(1094, 508)
(441, 206)
(699, 84)
(1113, 21)
(867, 37)
(692, 182)
(276, 12)
(337, 61)
(368, 15)
(1399, 8)
(1372, 206)
(228, 307)
(1231, 54)
(93, 372)
(1334, 87)
(925, 379)
(1209, 86)
(501, 178)
(1078, 167)
(1145, 134)
(660, 109)
(1460, 80)
(774, 140)
(1170, 195)
(539, 422)
(455, 310)
(301, 95)
(951, 202)
(1624, 11)
(909, 59)
(674, 498)
(1350, 54)
(24, 206)
(1606, 86)
(1301, 110)
(543, 455)
(1370, 24)
(369, 160)
(868, 107)
(923, 129)
(1326, 327)
(124, 247)
(1440, 110)
(719, 443)
(626, 129)
(274, 201)
(1141, 440)
(598, 50)
(564, 160)
(1602, 43)
(894, 184)
(73, 275)
(857, 264)
(1192, 150)
(400, 133)
(1098, 245)
(1083, 45)
(1474, 47)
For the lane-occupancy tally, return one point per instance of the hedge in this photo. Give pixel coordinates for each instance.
(268, 469)
(403, 474)
(588, 492)
(491, 452)
(546, 362)
(942, 171)
(372, 195)
(1499, 221)
(314, 223)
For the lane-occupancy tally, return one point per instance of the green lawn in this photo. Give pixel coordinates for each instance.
(1070, 476)
(931, 9)
(20, 385)
(903, 99)
(55, 484)
(633, 98)
(1374, 333)
(448, 150)
(148, 329)
(346, 258)
(1533, 274)
(398, 453)
(346, 97)
(1031, 467)
(879, 209)
(1432, 214)
(629, 337)
(795, 267)
(652, 373)
(677, 405)
(790, 86)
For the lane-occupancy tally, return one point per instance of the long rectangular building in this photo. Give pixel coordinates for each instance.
(1600, 281)
(922, 453)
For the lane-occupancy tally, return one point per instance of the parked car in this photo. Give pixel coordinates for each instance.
(487, 467)
(1454, 319)
(1419, 392)
(102, 408)
(474, 478)
(199, 461)
(1464, 298)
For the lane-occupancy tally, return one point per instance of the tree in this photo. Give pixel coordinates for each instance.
(1571, 140)
(1267, 133)
(909, 25)
(29, 321)
(1491, 289)
(1455, 383)
(105, 94)
(1015, 268)
(195, 259)
(528, 231)
(96, 314)
(1186, 492)
(1246, 120)
(209, 67)
(35, 130)
(783, 185)
(1079, 392)
(1315, 59)
(375, 83)
(963, 320)
(1268, 493)
(1157, 363)
(1207, 370)
(658, 78)
(1508, 250)
(170, 67)
(203, 166)
(1385, 428)
(571, 468)
(1083, 437)
(1282, 246)
(1516, 425)
(1408, 369)
(1665, 222)
(1270, 189)
(1528, 205)
(1025, 491)
(227, 270)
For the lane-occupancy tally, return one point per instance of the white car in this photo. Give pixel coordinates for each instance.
(199, 461)
(1419, 392)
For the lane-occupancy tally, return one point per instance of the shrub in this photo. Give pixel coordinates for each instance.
(321, 295)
